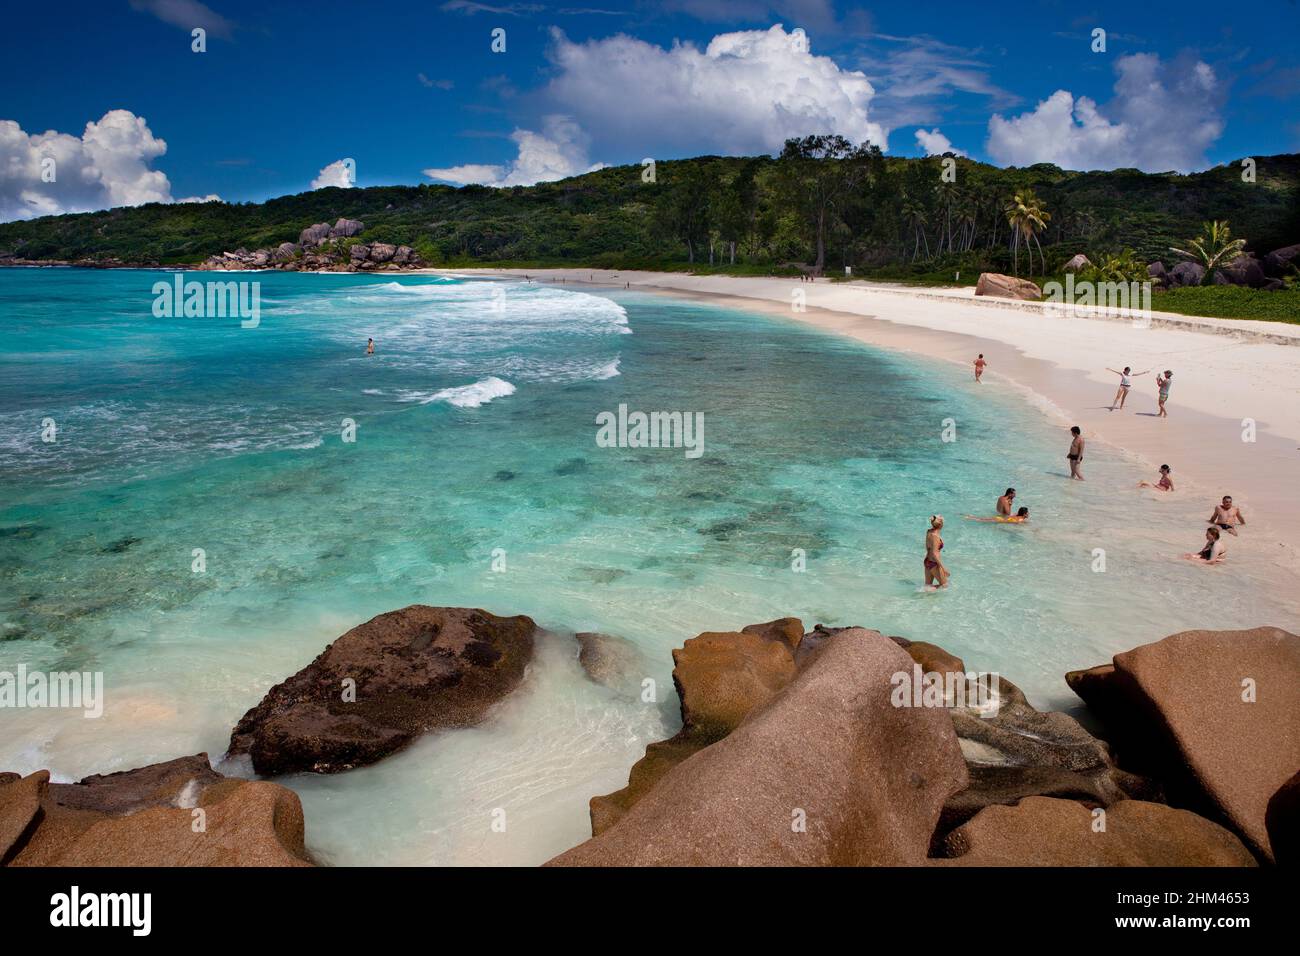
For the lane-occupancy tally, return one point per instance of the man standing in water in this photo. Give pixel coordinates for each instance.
(1004, 503)
(370, 346)
(1075, 455)
(979, 366)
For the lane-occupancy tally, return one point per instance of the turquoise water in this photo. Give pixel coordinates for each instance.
(475, 436)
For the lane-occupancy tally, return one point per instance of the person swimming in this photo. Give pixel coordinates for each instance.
(1020, 517)
(1227, 516)
(1165, 483)
(936, 575)
(1213, 552)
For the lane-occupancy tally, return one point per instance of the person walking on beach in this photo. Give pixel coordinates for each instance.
(1165, 483)
(1125, 382)
(1213, 552)
(1004, 503)
(1227, 516)
(1075, 454)
(936, 575)
(1162, 383)
(979, 366)
(370, 346)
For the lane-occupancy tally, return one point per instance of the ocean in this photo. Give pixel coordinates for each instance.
(459, 465)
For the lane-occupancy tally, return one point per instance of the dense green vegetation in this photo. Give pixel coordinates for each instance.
(820, 202)
(1230, 302)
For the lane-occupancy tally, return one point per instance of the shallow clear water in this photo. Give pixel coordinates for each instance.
(475, 431)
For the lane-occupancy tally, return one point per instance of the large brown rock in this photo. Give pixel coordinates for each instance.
(1280, 262)
(1178, 709)
(612, 662)
(314, 235)
(826, 773)
(20, 806)
(1041, 831)
(177, 813)
(1283, 821)
(413, 670)
(720, 677)
(1007, 287)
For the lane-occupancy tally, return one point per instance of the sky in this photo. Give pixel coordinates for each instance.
(111, 101)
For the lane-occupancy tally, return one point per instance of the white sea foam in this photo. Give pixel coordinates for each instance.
(464, 396)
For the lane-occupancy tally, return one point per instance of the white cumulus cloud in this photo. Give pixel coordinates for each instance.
(746, 92)
(935, 143)
(558, 152)
(341, 173)
(48, 173)
(1163, 116)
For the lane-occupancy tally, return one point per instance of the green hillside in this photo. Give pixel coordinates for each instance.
(883, 216)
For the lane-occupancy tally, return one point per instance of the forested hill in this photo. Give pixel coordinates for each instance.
(880, 215)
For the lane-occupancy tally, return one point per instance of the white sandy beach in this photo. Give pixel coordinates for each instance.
(1225, 372)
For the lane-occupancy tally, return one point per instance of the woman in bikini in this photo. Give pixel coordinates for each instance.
(1164, 484)
(936, 575)
(1213, 552)
(1125, 382)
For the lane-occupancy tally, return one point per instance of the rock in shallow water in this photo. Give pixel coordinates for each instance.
(827, 772)
(1214, 713)
(417, 669)
(177, 813)
(1041, 831)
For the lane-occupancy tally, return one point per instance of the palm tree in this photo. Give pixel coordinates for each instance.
(1213, 248)
(1027, 218)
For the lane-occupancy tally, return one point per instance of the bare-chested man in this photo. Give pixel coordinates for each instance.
(1075, 454)
(1227, 516)
(1004, 503)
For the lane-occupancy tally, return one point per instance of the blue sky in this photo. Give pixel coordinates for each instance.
(286, 89)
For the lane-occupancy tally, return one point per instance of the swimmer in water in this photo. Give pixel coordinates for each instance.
(979, 366)
(1213, 552)
(1020, 517)
(1004, 503)
(1165, 483)
(370, 346)
(1226, 516)
(936, 575)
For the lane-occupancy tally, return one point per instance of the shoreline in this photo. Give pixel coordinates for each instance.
(1061, 368)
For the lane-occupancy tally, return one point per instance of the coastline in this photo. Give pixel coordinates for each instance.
(1059, 363)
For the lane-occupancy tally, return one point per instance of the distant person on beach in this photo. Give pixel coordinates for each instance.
(979, 366)
(1227, 516)
(1162, 383)
(1020, 517)
(370, 346)
(1165, 483)
(936, 575)
(1213, 552)
(1004, 503)
(1125, 382)
(1075, 454)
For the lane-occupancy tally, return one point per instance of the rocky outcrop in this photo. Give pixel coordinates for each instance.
(1013, 751)
(1040, 831)
(345, 228)
(720, 677)
(1244, 270)
(1007, 287)
(177, 813)
(1158, 273)
(827, 772)
(318, 250)
(1215, 714)
(1282, 819)
(382, 684)
(1186, 273)
(1282, 262)
(1078, 263)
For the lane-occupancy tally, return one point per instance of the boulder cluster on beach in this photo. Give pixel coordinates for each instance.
(317, 250)
(796, 749)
